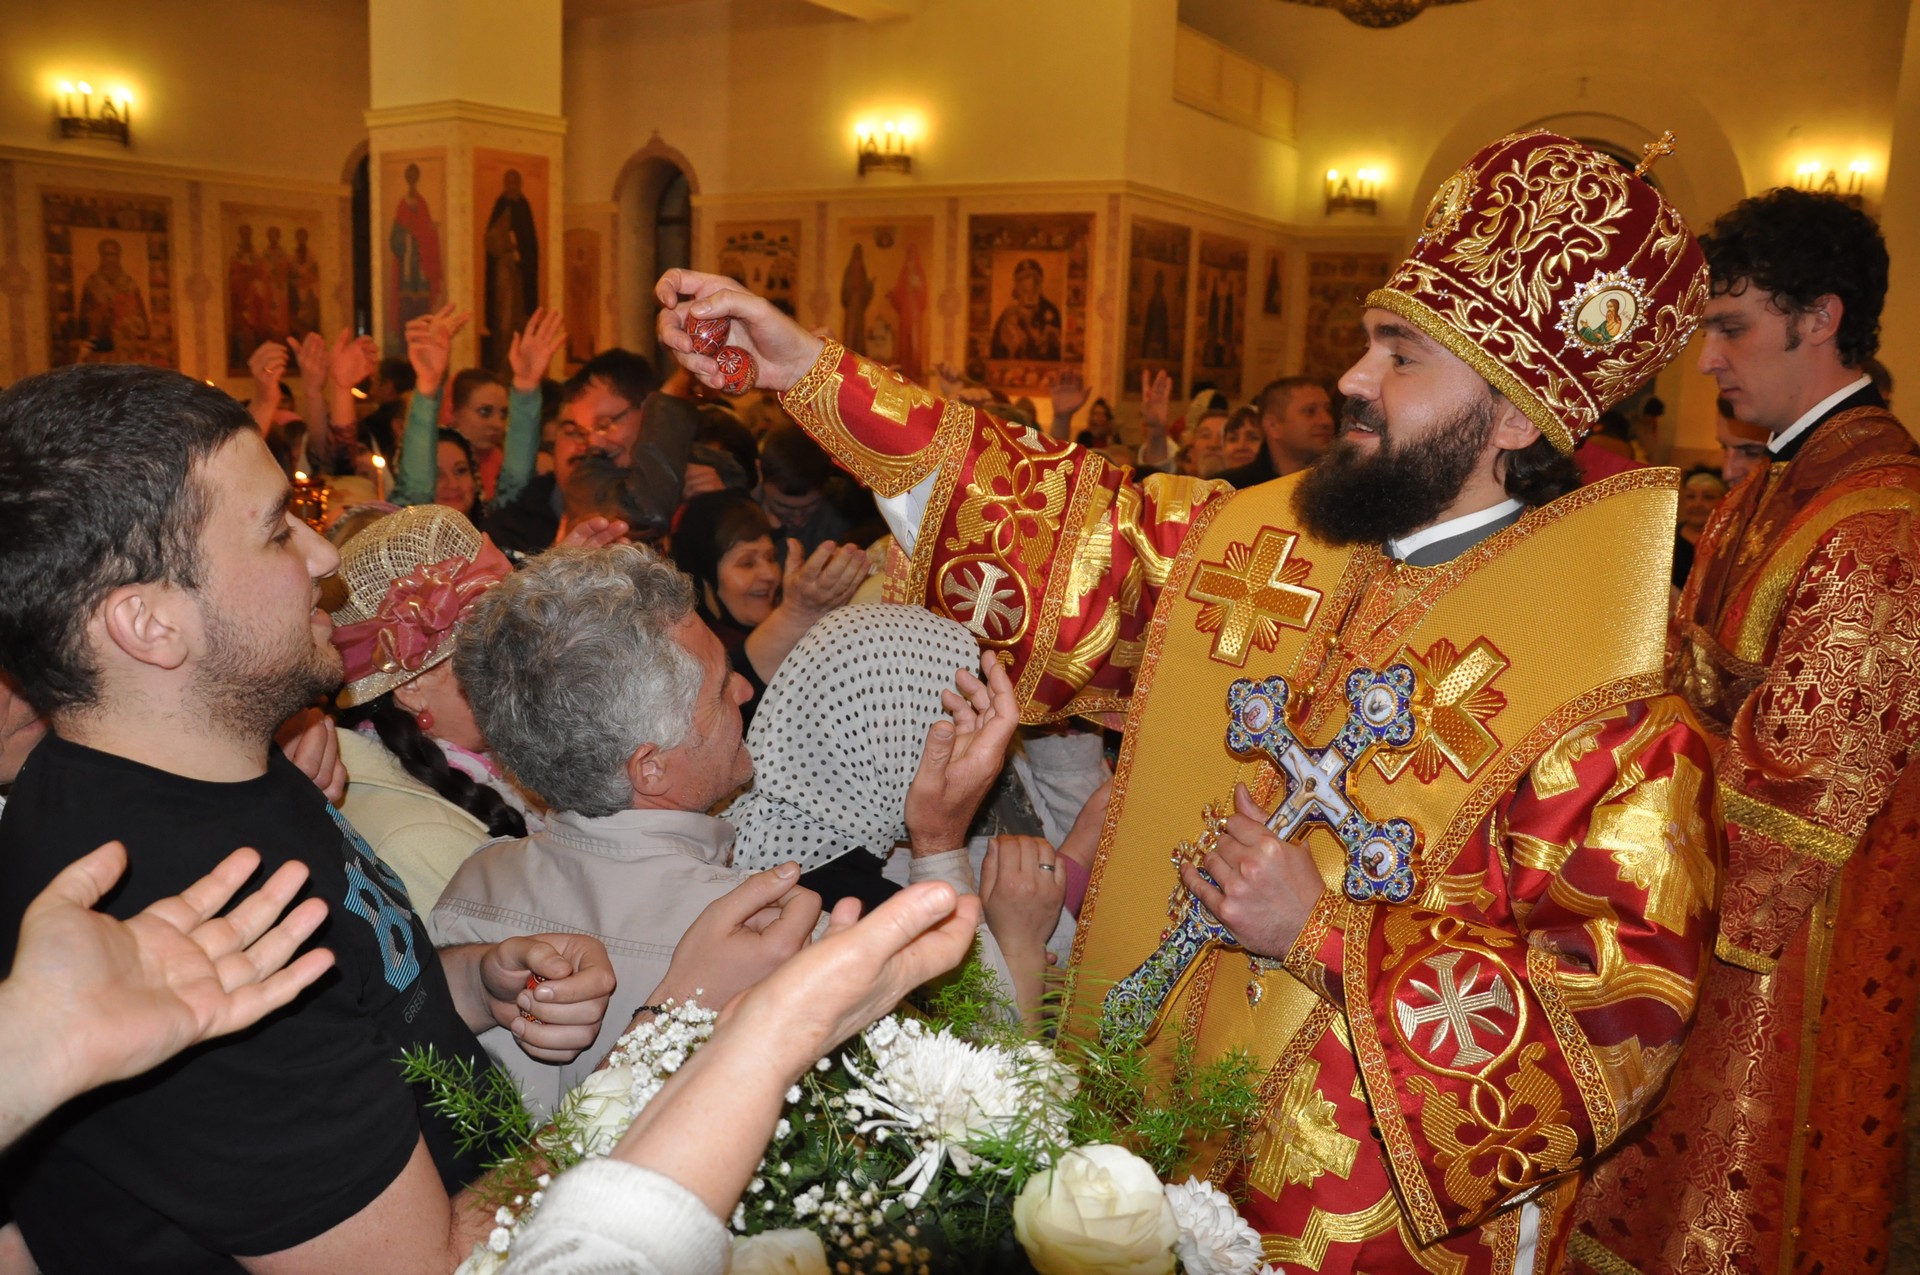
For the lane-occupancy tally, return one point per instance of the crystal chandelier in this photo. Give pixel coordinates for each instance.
(1378, 13)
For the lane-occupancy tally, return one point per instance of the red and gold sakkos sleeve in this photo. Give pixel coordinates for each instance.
(1815, 750)
(1048, 552)
(1528, 1009)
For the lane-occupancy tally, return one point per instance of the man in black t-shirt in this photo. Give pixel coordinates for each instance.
(158, 601)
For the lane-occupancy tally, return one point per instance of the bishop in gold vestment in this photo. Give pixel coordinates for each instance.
(1439, 1067)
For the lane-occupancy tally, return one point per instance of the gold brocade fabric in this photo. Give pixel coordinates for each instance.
(1390, 1145)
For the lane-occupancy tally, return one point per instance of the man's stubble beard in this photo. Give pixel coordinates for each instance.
(1348, 498)
(247, 691)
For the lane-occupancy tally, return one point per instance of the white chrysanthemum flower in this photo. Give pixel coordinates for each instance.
(947, 1095)
(1214, 1238)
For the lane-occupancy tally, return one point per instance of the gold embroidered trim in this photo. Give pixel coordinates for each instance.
(1421, 316)
(1086, 485)
(801, 392)
(1818, 965)
(935, 516)
(1575, 1048)
(1790, 830)
(1746, 960)
(1326, 1229)
(1597, 1255)
(1183, 563)
(1786, 563)
(1498, 783)
(1303, 958)
(1429, 1224)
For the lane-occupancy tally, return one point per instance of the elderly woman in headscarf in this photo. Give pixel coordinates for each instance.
(753, 590)
(840, 779)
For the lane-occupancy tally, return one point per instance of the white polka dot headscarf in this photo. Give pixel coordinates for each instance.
(838, 733)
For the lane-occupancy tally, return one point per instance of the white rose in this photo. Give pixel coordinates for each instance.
(1214, 1238)
(1098, 1209)
(779, 1253)
(601, 1107)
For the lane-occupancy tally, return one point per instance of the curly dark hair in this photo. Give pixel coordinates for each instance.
(1798, 246)
(1539, 474)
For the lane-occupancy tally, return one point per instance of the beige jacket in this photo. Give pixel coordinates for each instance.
(413, 829)
(635, 880)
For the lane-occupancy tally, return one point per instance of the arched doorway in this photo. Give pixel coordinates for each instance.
(655, 195)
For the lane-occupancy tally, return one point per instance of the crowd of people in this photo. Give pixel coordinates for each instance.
(571, 700)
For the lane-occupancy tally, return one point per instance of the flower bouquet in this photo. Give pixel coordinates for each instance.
(940, 1139)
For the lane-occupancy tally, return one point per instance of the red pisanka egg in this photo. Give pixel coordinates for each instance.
(737, 372)
(708, 335)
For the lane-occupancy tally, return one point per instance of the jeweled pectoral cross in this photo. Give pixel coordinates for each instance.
(1379, 854)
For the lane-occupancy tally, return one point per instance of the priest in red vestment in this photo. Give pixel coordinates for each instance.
(1779, 1147)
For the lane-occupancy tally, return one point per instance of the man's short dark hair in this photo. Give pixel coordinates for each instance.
(1797, 246)
(1269, 399)
(792, 463)
(1653, 407)
(98, 489)
(625, 373)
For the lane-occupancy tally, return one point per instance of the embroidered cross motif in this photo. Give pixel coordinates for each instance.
(1304, 1140)
(1462, 701)
(975, 596)
(1252, 594)
(894, 397)
(1456, 1010)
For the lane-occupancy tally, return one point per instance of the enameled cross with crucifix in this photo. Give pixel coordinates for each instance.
(1379, 853)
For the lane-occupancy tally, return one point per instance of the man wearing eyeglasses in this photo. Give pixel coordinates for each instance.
(614, 418)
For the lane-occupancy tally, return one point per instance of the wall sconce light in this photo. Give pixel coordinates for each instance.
(1359, 193)
(74, 110)
(883, 147)
(1852, 186)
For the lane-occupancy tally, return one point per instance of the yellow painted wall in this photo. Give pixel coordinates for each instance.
(264, 87)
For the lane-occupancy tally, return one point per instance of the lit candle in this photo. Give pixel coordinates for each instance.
(1333, 181)
(86, 99)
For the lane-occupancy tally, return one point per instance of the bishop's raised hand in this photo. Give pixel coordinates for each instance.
(780, 347)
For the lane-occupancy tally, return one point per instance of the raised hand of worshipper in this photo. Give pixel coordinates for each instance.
(549, 990)
(310, 352)
(1021, 888)
(827, 578)
(92, 999)
(781, 349)
(351, 359)
(267, 365)
(961, 757)
(430, 346)
(1069, 393)
(311, 743)
(656, 1202)
(595, 532)
(1156, 397)
(740, 938)
(534, 347)
(1266, 886)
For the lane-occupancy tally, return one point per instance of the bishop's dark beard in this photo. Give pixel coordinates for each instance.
(1351, 498)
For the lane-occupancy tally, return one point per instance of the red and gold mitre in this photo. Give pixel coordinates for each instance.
(1557, 273)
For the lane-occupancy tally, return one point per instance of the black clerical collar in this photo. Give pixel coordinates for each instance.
(1861, 393)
